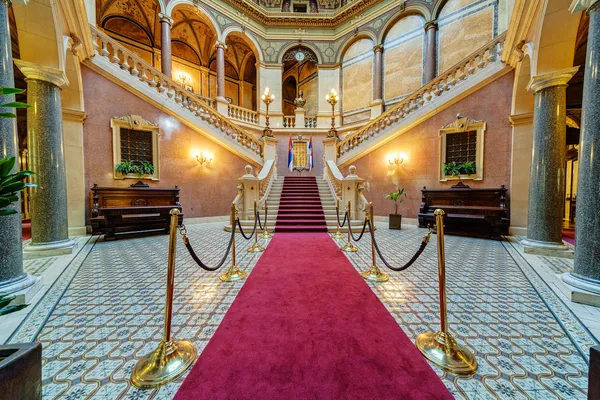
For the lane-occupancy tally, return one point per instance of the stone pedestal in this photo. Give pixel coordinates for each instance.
(166, 61)
(12, 277)
(584, 280)
(329, 149)
(547, 180)
(299, 114)
(49, 223)
(270, 149)
(351, 189)
(251, 193)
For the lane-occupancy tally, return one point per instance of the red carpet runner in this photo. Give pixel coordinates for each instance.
(300, 208)
(306, 326)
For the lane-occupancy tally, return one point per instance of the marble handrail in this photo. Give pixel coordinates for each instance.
(242, 114)
(266, 176)
(199, 106)
(469, 66)
(334, 177)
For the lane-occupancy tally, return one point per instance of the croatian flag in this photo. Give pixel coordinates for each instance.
(310, 155)
(291, 155)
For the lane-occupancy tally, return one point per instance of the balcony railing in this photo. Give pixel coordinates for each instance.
(242, 114)
(202, 107)
(477, 61)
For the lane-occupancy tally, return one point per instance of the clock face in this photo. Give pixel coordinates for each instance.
(299, 56)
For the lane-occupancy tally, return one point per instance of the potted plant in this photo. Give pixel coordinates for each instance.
(135, 169)
(395, 219)
(456, 169)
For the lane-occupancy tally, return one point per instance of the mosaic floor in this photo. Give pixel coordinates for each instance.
(105, 311)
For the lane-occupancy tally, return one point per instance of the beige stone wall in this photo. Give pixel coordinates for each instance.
(464, 26)
(403, 58)
(357, 75)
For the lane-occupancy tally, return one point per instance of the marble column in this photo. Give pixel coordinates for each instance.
(220, 69)
(430, 50)
(586, 272)
(547, 175)
(12, 277)
(49, 224)
(166, 61)
(378, 80)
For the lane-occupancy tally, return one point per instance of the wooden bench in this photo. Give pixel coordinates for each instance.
(473, 212)
(131, 209)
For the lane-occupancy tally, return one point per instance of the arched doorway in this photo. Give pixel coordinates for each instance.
(300, 72)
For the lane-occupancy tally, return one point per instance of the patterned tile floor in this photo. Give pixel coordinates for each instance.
(104, 311)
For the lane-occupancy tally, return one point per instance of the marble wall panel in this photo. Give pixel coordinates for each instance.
(232, 91)
(357, 75)
(455, 5)
(194, 74)
(420, 145)
(403, 72)
(461, 37)
(310, 88)
(205, 190)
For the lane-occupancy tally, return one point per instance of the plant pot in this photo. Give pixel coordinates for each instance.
(395, 221)
(21, 371)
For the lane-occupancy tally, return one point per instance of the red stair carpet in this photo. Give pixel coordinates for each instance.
(300, 207)
(305, 325)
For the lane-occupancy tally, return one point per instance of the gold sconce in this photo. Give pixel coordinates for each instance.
(204, 159)
(333, 100)
(184, 78)
(396, 159)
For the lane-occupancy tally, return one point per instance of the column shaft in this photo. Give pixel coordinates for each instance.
(46, 158)
(11, 251)
(220, 70)
(378, 81)
(587, 229)
(166, 61)
(430, 51)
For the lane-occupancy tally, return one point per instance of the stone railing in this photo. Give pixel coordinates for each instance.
(242, 114)
(334, 177)
(289, 121)
(266, 177)
(310, 122)
(471, 65)
(201, 107)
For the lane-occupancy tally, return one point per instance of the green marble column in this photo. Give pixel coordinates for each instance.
(547, 175)
(49, 224)
(586, 273)
(12, 277)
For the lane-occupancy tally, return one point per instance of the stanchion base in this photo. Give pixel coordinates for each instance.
(234, 274)
(265, 235)
(350, 248)
(256, 248)
(338, 235)
(169, 361)
(374, 274)
(441, 349)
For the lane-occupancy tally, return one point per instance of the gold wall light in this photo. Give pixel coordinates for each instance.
(204, 159)
(396, 159)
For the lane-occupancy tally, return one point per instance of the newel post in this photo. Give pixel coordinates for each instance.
(250, 190)
(352, 186)
(329, 149)
(270, 148)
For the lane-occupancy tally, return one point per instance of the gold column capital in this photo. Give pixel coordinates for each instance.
(378, 48)
(220, 45)
(431, 25)
(165, 18)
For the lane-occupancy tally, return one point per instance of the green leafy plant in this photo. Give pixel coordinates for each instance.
(11, 184)
(396, 197)
(455, 169)
(13, 104)
(139, 168)
(5, 300)
(125, 167)
(147, 167)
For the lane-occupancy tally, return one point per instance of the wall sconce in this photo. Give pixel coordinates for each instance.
(396, 159)
(183, 78)
(204, 159)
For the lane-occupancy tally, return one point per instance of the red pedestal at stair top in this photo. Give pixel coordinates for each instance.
(300, 208)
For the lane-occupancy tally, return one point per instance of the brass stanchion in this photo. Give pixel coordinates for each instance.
(233, 273)
(256, 248)
(349, 247)
(338, 233)
(374, 274)
(266, 234)
(171, 358)
(440, 347)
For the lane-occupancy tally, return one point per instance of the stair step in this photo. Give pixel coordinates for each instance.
(300, 229)
(290, 222)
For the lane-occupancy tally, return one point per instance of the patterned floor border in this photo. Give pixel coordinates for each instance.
(572, 325)
(33, 323)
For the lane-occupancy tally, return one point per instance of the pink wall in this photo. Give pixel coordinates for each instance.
(421, 147)
(205, 190)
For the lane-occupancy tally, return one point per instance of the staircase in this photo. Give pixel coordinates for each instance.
(300, 208)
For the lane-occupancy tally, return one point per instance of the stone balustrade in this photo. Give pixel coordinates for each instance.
(289, 121)
(242, 114)
(468, 67)
(199, 106)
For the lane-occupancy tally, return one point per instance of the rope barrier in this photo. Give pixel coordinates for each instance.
(337, 214)
(239, 224)
(363, 229)
(262, 228)
(188, 246)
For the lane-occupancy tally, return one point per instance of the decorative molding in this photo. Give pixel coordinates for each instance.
(378, 48)
(40, 72)
(165, 18)
(521, 119)
(135, 122)
(431, 25)
(556, 78)
(581, 5)
(461, 125)
(69, 114)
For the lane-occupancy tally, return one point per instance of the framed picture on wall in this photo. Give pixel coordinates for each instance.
(189, 88)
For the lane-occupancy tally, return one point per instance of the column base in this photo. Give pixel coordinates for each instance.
(579, 290)
(376, 108)
(551, 249)
(38, 250)
(24, 289)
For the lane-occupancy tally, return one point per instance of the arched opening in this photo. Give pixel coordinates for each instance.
(300, 73)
